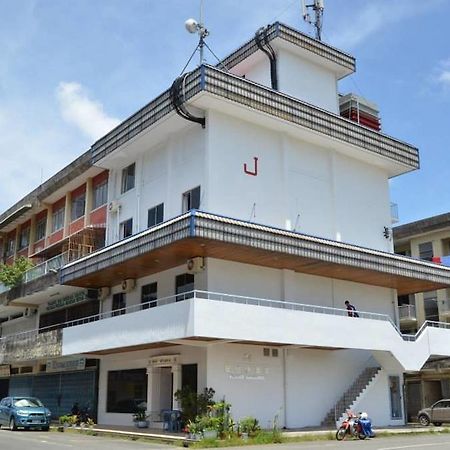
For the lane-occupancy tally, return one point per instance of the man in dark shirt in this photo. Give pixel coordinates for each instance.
(351, 310)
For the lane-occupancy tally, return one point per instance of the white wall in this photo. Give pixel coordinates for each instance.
(299, 185)
(140, 360)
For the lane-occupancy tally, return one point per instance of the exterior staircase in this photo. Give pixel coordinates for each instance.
(349, 396)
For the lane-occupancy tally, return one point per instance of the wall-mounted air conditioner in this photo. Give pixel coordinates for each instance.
(195, 265)
(128, 285)
(103, 292)
(114, 206)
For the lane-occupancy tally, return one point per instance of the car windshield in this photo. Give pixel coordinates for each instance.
(27, 402)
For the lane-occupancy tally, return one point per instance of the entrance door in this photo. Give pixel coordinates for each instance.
(166, 388)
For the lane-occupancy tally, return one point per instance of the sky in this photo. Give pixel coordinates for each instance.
(72, 70)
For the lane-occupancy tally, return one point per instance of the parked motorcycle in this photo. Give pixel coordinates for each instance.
(350, 426)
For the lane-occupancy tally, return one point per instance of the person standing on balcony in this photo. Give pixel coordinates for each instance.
(351, 310)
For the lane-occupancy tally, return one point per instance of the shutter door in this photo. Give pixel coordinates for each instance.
(19, 386)
(46, 389)
(80, 387)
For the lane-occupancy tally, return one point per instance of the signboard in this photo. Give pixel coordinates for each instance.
(65, 364)
(246, 372)
(5, 370)
(163, 360)
(72, 299)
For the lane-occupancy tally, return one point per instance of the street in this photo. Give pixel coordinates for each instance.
(38, 440)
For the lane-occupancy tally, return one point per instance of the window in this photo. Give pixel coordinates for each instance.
(58, 219)
(118, 303)
(78, 206)
(191, 199)
(10, 246)
(24, 238)
(100, 194)
(149, 293)
(431, 306)
(184, 283)
(155, 215)
(127, 390)
(128, 178)
(126, 228)
(426, 251)
(40, 228)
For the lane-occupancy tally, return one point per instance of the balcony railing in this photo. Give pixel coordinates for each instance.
(52, 264)
(47, 342)
(30, 345)
(407, 312)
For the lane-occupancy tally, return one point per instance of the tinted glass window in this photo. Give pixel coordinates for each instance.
(128, 178)
(155, 215)
(127, 390)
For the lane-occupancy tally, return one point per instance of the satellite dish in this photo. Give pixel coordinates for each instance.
(191, 25)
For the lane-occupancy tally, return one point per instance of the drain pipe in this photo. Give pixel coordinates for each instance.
(284, 389)
(262, 41)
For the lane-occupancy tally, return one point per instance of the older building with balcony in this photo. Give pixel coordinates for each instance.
(429, 240)
(243, 211)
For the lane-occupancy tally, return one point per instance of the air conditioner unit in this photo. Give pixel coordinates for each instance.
(195, 265)
(128, 285)
(103, 292)
(114, 206)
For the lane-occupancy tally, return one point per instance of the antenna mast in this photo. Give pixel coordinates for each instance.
(317, 7)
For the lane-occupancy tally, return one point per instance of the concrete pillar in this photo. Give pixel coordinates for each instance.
(153, 388)
(48, 228)
(438, 250)
(89, 202)
(176, 373)
(16, 246)
(67, 214)
(32, 238)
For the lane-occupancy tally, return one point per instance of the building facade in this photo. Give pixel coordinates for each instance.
(242, 211)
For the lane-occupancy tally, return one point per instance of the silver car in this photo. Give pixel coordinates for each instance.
(437, 414)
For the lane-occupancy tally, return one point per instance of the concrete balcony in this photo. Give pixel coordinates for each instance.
(407, 316)
(30, 345)
(204, 317)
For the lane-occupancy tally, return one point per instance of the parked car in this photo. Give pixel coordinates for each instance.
(437, 414)
(24, 412)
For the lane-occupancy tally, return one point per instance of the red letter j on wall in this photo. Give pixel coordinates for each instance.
(253, 172)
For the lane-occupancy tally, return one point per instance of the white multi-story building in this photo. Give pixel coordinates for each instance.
(243, 211)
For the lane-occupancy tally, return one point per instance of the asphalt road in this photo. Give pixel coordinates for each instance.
(38, 440)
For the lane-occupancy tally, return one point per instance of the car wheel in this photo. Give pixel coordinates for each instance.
(12, 424)
(424, 420)
(437, 424)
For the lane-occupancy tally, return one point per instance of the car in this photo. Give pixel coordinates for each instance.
(437, 414)
(24, 412)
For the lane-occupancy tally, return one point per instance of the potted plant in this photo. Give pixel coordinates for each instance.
(209, 426)
(248, 426)
(140, 418)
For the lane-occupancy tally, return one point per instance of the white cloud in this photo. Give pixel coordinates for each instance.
(79, 110)
(373, 17)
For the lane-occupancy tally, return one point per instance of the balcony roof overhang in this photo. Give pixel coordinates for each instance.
(208, 87)
(201, 234)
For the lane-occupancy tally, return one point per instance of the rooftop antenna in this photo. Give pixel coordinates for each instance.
(192, 26)
(317, 7)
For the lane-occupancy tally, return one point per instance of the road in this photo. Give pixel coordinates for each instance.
(38, 440)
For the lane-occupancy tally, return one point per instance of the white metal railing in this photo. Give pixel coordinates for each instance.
(407, 312)
(42, 269)
(230, 298)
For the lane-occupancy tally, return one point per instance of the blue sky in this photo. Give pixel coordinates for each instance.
(71, 70)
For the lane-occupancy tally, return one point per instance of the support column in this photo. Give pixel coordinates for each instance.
(176, 374)
(67, 214)
(153, 389)
(48, 228)
(32, 238)
(16, 246)
(88, 202)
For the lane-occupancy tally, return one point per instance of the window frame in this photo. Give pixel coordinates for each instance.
(74, 206)
(25, 232)
(41, 223)
(100, 194)
(149, 300)
(156, 213)
(124, 225)
(128, 180)
(57, 216)
(191, 199)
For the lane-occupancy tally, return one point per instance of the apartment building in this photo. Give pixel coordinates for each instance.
(426, 239)
(242, 211)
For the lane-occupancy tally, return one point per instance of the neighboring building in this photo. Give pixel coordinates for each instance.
(427, 239)
(240, 218)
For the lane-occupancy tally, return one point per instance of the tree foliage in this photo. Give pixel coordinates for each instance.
(12, 274)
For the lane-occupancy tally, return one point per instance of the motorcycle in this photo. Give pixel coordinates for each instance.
(352, 427)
